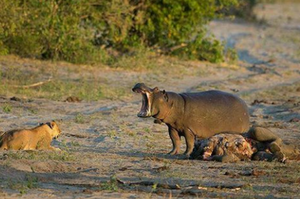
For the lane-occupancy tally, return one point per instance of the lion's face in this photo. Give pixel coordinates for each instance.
(55, 130)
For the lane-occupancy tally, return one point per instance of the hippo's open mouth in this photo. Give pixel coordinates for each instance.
(146, 103)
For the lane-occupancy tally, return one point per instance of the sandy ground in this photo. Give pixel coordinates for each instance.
(108, 152)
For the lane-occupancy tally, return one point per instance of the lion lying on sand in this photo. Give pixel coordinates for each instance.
(39, 138)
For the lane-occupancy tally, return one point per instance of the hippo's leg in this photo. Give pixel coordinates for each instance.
(190, 141)
(263, 135)
(277, 151)
(284, 151)
(280, 150)
(174, 135)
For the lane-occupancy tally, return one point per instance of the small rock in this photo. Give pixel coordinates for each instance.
(15, 99)
(160, 169)
(87, 191)
(294, 120)
(257, 172)
(72, 99)
(259, 102)
(235, 90)
(268, 117)
(291, 101)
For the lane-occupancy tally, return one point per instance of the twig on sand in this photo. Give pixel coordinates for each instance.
(149, 183)
(33, 85)
(177, 186)
(87, 170)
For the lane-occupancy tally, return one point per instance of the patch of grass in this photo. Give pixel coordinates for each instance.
(203, 87)
(61, 156)
(74, 144)
(30, 182)
(33, 111)
(147, 130)
(91, 90)
(179, 174)
(139, 59)
(282, 92)
(112, 134)
(124, 128)
(79, 119)
(7, 108)
(231, 56)
(42, 155)
(111, 185)
(15, 77)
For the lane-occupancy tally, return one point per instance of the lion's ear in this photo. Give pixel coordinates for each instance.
(52, 124)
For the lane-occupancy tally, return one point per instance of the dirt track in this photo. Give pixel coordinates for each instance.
(107, 148)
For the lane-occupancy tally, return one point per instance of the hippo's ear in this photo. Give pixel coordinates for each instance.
(165, 95)
(155, 90)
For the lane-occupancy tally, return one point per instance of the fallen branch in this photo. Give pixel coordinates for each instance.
(177, 47)
(87, 170)
(177, 186)
(33, 85)
(77, 136)
(192, 189)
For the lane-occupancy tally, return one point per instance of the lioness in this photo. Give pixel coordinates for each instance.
(39, 137)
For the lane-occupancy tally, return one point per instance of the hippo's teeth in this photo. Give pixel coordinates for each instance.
(145, 109)
(149, 104)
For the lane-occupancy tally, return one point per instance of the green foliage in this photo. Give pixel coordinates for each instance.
(171, 22)
(79, 118)
(7, 108)
(30, 182)
(208, 49)
(244, 9)
(231, 56)
(111, 185)
(52, 29)
(82, 31)
(42, 155)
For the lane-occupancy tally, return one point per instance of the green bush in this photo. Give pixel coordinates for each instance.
(51, 29)
(243, 10)
(81, 31)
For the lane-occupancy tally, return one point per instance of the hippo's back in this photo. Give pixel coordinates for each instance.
(212, 112)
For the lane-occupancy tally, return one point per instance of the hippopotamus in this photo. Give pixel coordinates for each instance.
(194, 115)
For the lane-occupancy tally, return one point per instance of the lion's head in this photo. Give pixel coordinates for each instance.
(55, 130)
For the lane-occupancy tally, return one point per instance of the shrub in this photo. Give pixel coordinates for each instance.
(52, 29)
(80, 31)
(243, 10)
